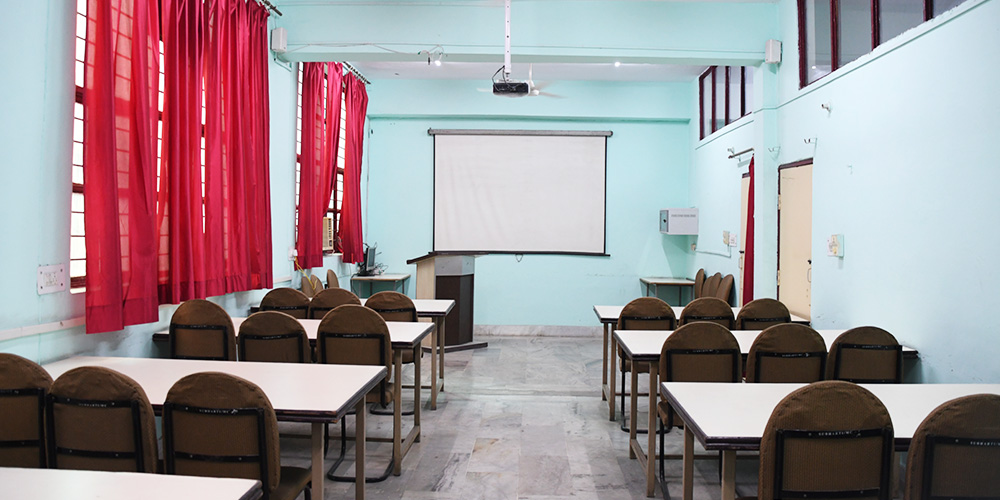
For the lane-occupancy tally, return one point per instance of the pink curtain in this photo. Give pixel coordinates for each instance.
(748, 255)
(321, 91)
(120, 96)
(350, 214)
(214, 229)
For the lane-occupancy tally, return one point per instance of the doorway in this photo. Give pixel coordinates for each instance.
(795, 237)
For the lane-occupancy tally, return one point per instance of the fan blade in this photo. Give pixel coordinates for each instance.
(549, 94)
(541, 85)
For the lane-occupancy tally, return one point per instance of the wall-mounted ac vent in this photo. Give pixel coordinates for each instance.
(328, 234)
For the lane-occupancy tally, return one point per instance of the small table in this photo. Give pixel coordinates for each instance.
(287, 385)
(395, 279)
(731, 417)
(64, 484)
(680, 284)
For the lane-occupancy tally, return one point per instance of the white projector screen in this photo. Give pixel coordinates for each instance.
(519, 192)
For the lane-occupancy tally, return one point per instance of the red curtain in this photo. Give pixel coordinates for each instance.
(214, 229)
(321, 91)
(748, 252)
(350, 213)
(120, 96)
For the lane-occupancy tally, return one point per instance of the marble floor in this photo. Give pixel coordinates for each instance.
(520, 419)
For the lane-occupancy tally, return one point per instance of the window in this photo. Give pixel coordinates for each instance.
(333, 210)
(724, 96)
(77, 242)
(833, 33)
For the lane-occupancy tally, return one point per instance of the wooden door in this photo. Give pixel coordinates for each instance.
(795, 238)
(744, 198)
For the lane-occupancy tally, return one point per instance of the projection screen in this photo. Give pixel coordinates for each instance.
(519, 191)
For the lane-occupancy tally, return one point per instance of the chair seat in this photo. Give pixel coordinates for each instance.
(293, 481)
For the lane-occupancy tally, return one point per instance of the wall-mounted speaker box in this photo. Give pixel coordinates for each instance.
(279, 40)
(772, 52)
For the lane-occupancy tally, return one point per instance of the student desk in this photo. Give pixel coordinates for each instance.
(730, 417)
(644, 346)
(680, 284)
(395, 279)
(63, 484)
(608, 316)
(291, 387)
(402, 336)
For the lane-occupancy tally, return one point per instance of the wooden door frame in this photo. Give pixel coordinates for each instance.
(800, 163)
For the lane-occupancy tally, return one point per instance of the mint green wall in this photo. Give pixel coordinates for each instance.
(647, 164)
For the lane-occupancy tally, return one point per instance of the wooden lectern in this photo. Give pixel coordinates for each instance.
(443, 275)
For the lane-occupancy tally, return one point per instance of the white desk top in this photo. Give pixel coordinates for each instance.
(429, 308)
(733, 416)
(609, 314)
(291, 387)
(60, 484)
(381, 277)
(645, 345)
(402, 334)
(667, 281)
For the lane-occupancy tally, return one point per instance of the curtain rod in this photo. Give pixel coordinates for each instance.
(357, 73)
(270, 7)
(734, 155)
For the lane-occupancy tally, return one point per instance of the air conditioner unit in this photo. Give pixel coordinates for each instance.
(328, 234)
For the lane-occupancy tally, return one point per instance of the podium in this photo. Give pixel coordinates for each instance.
(442, 275)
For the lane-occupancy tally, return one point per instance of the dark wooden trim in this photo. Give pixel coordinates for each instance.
(807, 161)
(701, 103)
(803, 64)
(726, 70)
(745, 175)
(713, 98)
(78, 282)
(743, 91)
(77, 188)
(834, 35)
(928, 10)
(876, 23)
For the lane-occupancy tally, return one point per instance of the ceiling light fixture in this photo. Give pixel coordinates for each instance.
(618, 64)
(434, 55)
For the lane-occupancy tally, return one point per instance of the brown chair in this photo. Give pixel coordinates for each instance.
(329, 299)
(708, 309)
(287, 300)
(696, 352)
(394, 306)
(865, 355)
(829, 439)
(725, 289)
(24, 386)
(711, 285)
(272, 336)
(955, 452)
(699, 283)
(787, 353)
(311, 285)
(644, 313)
(100, 419)
(200, 329)
(353, 334)
(332, 280)
(220, 425)
(759, 314)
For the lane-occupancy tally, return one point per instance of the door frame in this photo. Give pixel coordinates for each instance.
(799, 163)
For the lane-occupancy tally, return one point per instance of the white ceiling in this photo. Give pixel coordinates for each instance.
(541, 72)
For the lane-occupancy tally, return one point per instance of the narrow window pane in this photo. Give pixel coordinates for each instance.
(748, 93)
(940, 6)
(734, 92)
(78, 153)
(77, 268)
(706, 100)
(76, 202)
(78, 175)
(818, 51)
(78, 130)
(76, 225)
(79, 74)
(897, 16)
(720, 97)
(854, 38)
(77, 247)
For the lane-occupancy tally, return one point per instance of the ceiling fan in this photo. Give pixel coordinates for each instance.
(503, 84)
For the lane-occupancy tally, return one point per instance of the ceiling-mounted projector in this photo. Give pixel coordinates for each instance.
(511, 88)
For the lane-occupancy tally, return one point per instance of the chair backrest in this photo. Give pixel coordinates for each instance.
(220, 425)
(355, 335)
(311, 285)
(725, 289)
(329, 299)
(699, 352)
(829, 439)
(287, 300)
(708, 309)
(699, 283)
(200, 329)
(100, 419)
(711, 285)
(392, 306)
(332, 280)
(787, 353)
(759, 314)
(24, 386)
(865, 354)
(647, 313)
(955, 452)
(275, 337)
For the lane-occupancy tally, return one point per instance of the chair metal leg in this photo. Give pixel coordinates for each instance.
(624, 426)
(331, 475)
